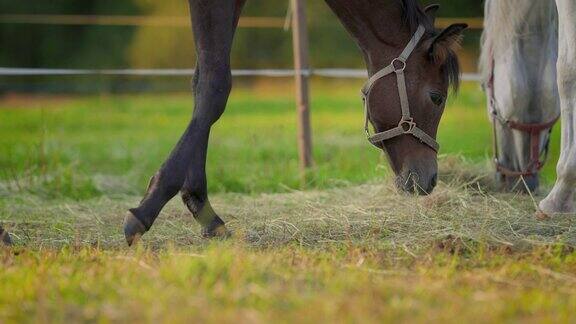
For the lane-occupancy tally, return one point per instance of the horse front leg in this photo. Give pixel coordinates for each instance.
(214, 23)
(212, 86)
(561, 198)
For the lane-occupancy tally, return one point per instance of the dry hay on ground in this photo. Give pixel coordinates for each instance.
(462, 209)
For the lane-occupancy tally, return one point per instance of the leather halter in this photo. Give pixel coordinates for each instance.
(406, 125)
(538, 154)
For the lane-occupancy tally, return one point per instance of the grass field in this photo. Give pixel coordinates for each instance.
(344, 247)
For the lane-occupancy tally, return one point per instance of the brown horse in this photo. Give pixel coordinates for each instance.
(396, 37)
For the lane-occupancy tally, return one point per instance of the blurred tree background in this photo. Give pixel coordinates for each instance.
(73, 46)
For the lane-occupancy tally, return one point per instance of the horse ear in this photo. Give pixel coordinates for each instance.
(431, 11)
(447, 41)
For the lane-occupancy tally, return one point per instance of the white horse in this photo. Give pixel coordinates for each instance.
(529, 68)
(518, 63)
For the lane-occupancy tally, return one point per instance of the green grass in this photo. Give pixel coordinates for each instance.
(91, 146)
(344, 247)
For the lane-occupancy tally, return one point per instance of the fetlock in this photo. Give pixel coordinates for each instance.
(212, 225)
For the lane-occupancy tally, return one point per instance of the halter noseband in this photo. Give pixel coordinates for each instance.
(538, 155)
(406, 125)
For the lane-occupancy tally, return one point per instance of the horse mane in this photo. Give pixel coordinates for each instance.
(414, 15)
(505, 22)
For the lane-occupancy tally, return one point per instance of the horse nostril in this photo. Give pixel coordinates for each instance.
(433, 181)
(406, 183)
(410, 183)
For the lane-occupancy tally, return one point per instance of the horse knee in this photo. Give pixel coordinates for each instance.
(212, 86)
(213, 73)
(566, 170)
(566, 76)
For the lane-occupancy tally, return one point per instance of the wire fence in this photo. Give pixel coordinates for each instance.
(177, 21)
(184, 21)
(123, 20)
(274, 73)
(167, 21)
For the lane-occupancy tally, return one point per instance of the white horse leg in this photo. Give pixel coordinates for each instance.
(561, 198)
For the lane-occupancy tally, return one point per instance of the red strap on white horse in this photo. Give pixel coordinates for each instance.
(538, 154)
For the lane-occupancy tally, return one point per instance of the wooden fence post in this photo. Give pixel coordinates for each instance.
(301, 69)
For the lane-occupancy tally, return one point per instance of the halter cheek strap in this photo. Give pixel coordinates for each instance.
(406, 125)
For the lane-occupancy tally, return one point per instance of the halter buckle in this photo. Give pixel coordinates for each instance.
(407, 125)
(367, 132)
(402, 65)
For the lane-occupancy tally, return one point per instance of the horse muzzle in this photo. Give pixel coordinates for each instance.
(414, 182)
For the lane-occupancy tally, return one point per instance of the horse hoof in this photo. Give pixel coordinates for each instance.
(542, 216)
(220, 231)
(133, 228)
(5, 238)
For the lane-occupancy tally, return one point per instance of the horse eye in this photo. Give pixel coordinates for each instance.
(437, 98)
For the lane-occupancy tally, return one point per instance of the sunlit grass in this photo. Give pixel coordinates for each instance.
(225, 282)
